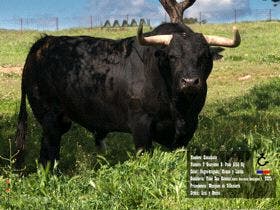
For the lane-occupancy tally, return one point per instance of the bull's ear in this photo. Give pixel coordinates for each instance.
(215, 52)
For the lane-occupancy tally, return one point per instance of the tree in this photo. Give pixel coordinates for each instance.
(175, 9)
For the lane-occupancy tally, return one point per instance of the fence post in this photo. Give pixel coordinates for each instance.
(149, 22)
(91, 22)
(98, 20)
(200, 18)
(235, 16)
(56, 23)
(21, 25)
(127, 17)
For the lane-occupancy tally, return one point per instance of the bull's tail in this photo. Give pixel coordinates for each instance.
(21, 128)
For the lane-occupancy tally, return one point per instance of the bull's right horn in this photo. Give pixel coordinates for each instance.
(224, 42)
(152, 40)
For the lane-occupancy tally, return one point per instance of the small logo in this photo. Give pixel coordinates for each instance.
(263, 172)
(260, 160)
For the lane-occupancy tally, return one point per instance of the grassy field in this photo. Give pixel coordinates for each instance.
(242, 112)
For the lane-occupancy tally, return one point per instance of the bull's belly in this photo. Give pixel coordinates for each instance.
(97, 115)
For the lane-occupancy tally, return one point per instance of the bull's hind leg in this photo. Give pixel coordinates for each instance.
(54, 126)
(49, 113)
(99, 140)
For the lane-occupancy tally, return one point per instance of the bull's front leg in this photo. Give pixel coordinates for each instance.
(184, 131)
(141, 132)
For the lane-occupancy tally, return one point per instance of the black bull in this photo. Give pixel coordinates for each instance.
(153, 87)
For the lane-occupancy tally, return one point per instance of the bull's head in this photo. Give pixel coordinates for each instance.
(189, 56)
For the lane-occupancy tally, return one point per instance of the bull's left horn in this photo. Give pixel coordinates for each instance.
(152, 40)
(224, 42)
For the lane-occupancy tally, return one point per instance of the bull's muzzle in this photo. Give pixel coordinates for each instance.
(189, 85)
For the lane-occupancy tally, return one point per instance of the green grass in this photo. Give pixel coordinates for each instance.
(239, 114)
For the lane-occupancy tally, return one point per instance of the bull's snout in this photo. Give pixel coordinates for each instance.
(190, 84)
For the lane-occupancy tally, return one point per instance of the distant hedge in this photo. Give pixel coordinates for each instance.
(116, 23)
(125, 23)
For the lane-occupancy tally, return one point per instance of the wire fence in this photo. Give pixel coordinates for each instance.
(58, 23)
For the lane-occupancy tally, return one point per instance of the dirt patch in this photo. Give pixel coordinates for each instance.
(11, 69)
(245, 77)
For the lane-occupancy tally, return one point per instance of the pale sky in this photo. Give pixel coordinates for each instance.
(106, 9)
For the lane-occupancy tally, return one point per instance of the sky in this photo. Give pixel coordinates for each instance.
(14, 9)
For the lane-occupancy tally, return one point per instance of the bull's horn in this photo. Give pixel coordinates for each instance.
(152, 40)
(224, 42)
